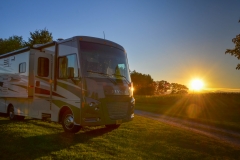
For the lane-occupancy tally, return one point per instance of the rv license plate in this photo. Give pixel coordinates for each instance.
(118, 121)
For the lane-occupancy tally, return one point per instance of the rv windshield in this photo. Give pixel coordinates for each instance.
(98, 59)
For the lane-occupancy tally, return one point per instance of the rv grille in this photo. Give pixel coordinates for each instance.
(117, 110)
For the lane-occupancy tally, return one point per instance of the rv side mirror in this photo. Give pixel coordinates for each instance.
(70, 72)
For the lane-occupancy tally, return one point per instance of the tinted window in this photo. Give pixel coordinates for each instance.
(22, 67)
(43, 67)
(68, 67)
(103, 59)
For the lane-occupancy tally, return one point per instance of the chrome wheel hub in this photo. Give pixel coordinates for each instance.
(11, 114)
(69, 121)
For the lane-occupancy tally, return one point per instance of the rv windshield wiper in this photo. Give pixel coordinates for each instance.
(123, 77)
(99, 73)
(103, 74)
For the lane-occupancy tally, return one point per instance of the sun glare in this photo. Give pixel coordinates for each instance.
(197, 84)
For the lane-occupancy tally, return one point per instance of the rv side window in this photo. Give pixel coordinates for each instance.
(43, 67)
(68, 67)
(22, 67)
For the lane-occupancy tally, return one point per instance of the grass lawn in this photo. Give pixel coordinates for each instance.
(141, 138)
(218, 109)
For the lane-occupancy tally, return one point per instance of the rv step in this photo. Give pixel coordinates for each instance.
(46, 116)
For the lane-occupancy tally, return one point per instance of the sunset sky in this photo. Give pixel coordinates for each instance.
(172, 40)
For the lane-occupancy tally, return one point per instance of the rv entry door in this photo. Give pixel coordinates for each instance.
(41, 102)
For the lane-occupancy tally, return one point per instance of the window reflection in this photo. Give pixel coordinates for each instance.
(68, 67)
(43, 67)
(103, 59)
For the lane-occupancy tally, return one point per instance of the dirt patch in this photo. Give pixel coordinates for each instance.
(227, 136)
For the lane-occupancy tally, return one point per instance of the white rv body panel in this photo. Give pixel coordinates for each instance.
(14, 83)
(31, 92)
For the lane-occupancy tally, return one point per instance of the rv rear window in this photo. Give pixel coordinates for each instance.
(43, 67)
(22, 67)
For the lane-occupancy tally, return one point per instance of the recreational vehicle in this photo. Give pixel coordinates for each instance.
(80, 81)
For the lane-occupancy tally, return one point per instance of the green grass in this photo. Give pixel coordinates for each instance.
(219, 109)
(141, 138)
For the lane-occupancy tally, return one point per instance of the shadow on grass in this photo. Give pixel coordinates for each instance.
(3, 115)
(32, 145)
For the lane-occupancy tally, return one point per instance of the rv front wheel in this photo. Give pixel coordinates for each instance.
(68, 122)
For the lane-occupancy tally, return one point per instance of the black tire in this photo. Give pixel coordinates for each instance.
(68, 122)
(11, 113)
(112, 126)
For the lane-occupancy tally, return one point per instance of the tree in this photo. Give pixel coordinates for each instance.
(162, 87)
(16, 42)
(178, 88)
(236, 51)
(39, 37)
(143, 83)
(11, 44)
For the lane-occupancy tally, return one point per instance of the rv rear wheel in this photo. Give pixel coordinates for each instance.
(68, 122)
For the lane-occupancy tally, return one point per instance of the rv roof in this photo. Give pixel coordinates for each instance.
(99, 40)
(14, 52)
(80, 38)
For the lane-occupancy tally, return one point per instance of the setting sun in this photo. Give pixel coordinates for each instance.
(197, 84)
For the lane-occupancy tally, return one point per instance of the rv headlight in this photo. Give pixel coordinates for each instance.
(132, 115)
(133, 100)
(92, 102)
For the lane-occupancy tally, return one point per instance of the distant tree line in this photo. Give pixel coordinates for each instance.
(144, 85)
(16, 42)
